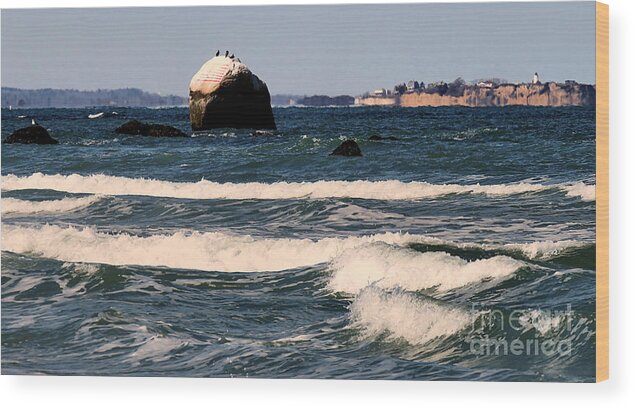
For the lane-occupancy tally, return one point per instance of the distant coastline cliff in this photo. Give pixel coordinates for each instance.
(483, 94)
(73, 98)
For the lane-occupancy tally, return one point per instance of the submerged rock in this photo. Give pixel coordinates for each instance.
(347, 148)
(134, 127)
(34, 134)
(224, 93)
(383, 138)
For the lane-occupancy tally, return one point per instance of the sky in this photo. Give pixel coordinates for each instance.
(302, 50)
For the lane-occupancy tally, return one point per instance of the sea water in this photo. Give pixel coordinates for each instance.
(236, 254)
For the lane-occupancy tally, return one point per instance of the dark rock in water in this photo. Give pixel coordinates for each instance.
(134, 127)
(383, 138)
(34, 134)
(347, 148)
(224, 93)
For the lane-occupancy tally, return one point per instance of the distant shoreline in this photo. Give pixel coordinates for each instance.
(551, 94)
(16, 98)
(487, 94)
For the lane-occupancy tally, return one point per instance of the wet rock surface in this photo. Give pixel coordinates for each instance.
(34, 134)
(135, 127)
(348, 148)
(224, 93)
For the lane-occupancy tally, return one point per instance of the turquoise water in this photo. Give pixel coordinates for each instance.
(236, 254)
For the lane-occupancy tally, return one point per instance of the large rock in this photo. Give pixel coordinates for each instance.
(34, 134)
(347, 148)
(134, 127)
(225, 93)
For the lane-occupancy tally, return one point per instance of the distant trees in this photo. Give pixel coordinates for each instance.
(400, 89)
(324, 100)
(72, 98)
(437, 88)
(456, 88)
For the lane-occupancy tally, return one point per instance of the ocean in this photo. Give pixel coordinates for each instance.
(463, 250)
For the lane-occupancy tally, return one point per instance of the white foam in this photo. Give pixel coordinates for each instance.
(387, 266)
(210, 251)
(16, 206)
(217, 251)
(379, 190)
(587, 192)
(82, 268)
(158, 348)
(402, 315)
(543, 249)
(533, 250)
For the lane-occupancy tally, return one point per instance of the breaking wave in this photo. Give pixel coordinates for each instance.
(587, 192)
(402, 315)
(16, 206)
(379, 190)
(387, 266)
(543, 249)
(222, 252)
(209, 251)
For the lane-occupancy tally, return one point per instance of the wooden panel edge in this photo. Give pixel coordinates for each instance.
(602, 190)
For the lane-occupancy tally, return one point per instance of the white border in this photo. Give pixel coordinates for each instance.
(177, 392)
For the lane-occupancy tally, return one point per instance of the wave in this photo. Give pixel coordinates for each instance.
(542, 249)
(587, 192)
(379, 190)
(209, 251)
(387, 266)
(542, 321)
(214, 251)
(16, 206)
(402, 315)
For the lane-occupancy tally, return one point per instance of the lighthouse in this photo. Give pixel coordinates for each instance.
(536, 78)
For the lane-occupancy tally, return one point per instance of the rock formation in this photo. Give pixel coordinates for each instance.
(225, 93)
(134, 127)
(34, 134)
(347, 148)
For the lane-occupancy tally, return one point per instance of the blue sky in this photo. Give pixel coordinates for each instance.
(342, 49)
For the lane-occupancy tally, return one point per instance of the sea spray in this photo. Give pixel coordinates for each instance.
(388, 266)
(402, 315)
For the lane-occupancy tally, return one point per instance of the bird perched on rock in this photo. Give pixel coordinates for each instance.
(232, 56)
(34, 123)
(226, 54)
(217, 53)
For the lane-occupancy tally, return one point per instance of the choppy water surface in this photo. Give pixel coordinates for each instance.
(235, 254)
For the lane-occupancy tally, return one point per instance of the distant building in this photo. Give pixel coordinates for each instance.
(380, 92)
(436, 84)
(412, 86)
(536, 78)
